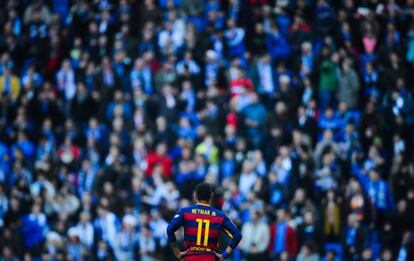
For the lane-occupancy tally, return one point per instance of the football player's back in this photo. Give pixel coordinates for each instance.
(202, 226)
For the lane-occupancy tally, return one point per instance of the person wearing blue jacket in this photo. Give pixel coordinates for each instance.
(33, 229)
(378, 192)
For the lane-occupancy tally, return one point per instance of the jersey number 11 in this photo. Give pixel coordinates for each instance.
(200, 228)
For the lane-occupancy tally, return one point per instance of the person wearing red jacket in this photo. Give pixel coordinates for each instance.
(159, 157)
(282, 237)
(240, 84)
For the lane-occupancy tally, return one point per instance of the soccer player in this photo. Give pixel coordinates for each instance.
(202, 226)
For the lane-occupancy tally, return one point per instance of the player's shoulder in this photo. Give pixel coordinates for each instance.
(186, 209)
(218, 212)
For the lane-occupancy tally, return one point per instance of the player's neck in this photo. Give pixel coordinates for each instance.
(203, 203)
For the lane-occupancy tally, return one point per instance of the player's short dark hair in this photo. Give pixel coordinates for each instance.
(204, 192)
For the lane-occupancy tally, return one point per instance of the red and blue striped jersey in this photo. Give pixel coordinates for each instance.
(202, 226)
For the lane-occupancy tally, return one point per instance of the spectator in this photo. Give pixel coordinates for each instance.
(332, 214)
(235, 39)
(86, 230)
(146, 245)
(74, 248)
(258, 43)
(248, 178)
(54, 248)
(103, 251)
(66, 80)
(378, 192)
(106, 79)
(327, 80)
(127, 240)
(34, 229)
(371, 81)
(330, 256)
(149, 13)
(328, 174)
(325, 16)
(348, 85)
(354, 238)
(208, 150)
(240, 86)
(158, 225)
(256, 237)
(187, 63)
(307, 253)
(265, 76)
(306, 60)
(106, 225)
(8, 254)
(277, 45)
(9, 84)
(4, 203)
(192, 8)
(301, 207)
(283, 236)
(254, 119)
(159, 157)
(141, 76)
(169, 41)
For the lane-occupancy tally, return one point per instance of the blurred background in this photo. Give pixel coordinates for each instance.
(301, 112)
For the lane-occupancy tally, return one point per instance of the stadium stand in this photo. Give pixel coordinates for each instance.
(300, 112)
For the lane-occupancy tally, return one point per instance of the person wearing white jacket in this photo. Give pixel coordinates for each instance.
(256, 237)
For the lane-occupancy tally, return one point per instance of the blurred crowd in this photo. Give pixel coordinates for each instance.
(301, 112)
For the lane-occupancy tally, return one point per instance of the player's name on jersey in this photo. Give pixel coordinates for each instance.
(206, 212)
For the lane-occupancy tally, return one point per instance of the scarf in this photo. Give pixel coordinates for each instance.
(377, 194)
(280, 238)
(351, 236)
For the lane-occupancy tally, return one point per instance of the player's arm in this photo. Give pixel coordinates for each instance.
(234, 233)
(173, 226)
